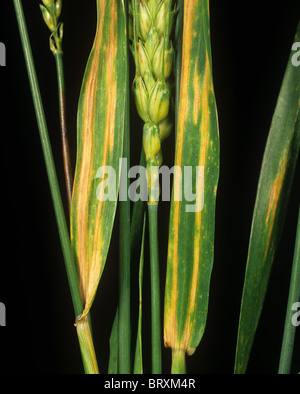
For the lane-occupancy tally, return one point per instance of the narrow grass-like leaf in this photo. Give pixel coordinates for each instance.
(178, 56)
(51, 13)
(84, 334)
(85, 338)
(124, 252)
(101, 116)
(272, 197)
(137, 237)
(294, 297)
(138, 358)
(113, 362)
(63, 125)
(192, 223)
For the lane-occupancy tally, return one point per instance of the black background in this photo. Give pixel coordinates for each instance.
(250, 47)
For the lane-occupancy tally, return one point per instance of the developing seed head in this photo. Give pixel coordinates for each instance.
(154, 53)
(51, 11)
(154, 57)
(53, 6)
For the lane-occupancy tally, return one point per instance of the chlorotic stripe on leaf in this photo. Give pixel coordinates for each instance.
(101, 116)
(275, 181)
(191, 234)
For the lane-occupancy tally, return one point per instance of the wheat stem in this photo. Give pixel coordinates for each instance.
(155, 291)
(63, 126)
(51, 11)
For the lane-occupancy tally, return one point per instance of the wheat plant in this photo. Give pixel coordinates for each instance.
(151, 67)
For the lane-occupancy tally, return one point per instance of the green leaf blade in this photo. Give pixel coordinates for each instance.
(272, 197)
(191, 235)
(101, 119)
(113, 362)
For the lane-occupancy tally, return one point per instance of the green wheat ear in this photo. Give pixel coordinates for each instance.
(51, 10)
(154, 59)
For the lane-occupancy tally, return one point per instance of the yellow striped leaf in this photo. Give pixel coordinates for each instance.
(274, 186)
(100, 121)
(191, 233)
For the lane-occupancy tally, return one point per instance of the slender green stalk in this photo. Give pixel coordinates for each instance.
(178, 362)
(138, 210)
(294, 296)
(51, 11)
(49, 161)
(124, 287)
(136, 233)
(63, 126)
(124, 259)
(51, 172)
(155, 290)
(138, 357)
